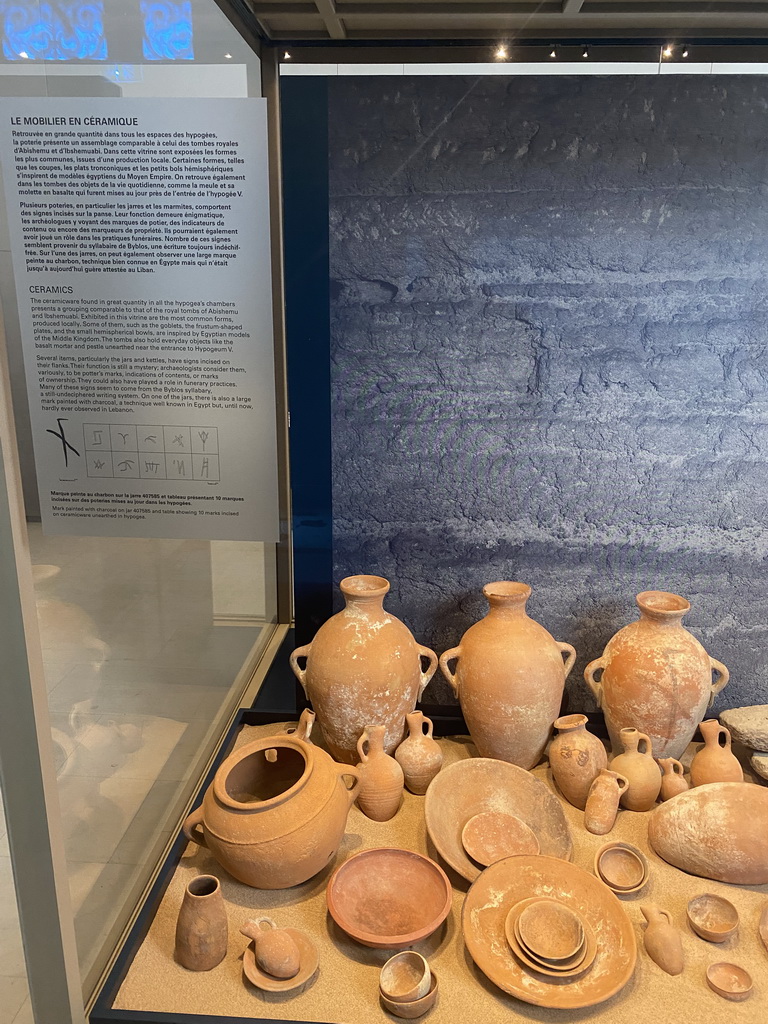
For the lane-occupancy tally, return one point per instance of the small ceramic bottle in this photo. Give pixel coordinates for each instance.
(673, 780)
(419, 755)
(662, 940)
(603, 802)
(274, 949)
(637, 765)
(304, 729)
(715, 762)
(576, 758)
(201, 928)
(381, 777)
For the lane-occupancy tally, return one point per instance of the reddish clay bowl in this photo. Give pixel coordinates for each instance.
(416, 1007)
(389, 898)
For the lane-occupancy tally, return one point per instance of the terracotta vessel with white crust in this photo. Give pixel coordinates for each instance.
(275, 813)
(576, 758)
(656, 676)
(715, 762)
(509, 678)
(363, 666)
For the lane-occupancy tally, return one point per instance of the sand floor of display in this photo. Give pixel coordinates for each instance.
(345, 989)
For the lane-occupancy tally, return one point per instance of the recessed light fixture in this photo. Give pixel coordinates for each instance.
(24, 54)
(667, 51)
(553, 51)
(501, 53)
(286, 56)
(228, 56)
(585, 53)
(685, 52)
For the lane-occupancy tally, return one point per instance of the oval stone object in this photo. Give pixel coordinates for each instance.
(717, 831)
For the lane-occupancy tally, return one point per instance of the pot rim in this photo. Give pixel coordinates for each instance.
(506, 589)
(364, 586)
(569, 722)
(661, 604)
(265, 743)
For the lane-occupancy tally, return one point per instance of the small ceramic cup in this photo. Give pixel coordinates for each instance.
(405, 977)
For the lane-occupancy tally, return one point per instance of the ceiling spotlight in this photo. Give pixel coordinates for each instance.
(286, 56)
(501, 53)
(685, 52)
(585, 52)
(667, 51)
(553, 52)
(228, 56)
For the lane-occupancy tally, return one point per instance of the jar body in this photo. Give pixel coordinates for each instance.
(419, 755)
(673, 779)
(603, 802)
(656, 676)
(275, 813)
(509, 678)
(637, 765)
(363, 667)
(576, 758)
(381, 777)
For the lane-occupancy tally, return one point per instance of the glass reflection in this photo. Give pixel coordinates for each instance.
(53, 31)
(167, 30)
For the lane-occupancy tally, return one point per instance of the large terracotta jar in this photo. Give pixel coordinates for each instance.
(509, 678)
(275, 813)
(363, 668)
(656, 676)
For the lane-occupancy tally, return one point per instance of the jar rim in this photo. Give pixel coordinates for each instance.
(248, 750)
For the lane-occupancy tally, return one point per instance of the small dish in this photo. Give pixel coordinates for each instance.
(491, 836)
(582, 963)
(308, 960)
(622, 867)
(713, 917)
(416, 1007)
(729, 981)
(405, 977)
(389, 898)
(550, 931)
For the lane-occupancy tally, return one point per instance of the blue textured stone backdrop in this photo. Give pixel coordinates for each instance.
(549, 305)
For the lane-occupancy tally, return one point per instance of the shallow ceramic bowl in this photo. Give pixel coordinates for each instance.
(404, 977)
(389, 898)
(729, 981)
(581, 962)
(622, 867)
(550, 931)
(478, 784)
(416, 1007)
(308, 963)
(713, 917)
(490, 836)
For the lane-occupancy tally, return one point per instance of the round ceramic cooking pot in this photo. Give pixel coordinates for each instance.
(276, 812)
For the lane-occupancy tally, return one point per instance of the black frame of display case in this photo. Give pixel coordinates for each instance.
(447, 721)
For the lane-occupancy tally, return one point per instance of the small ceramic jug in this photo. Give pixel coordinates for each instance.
(381, 777)
(715, 762)
(673, 779)
(274, 949)
(419, 755)
(201, 928)
(637, 765)
(576, 758)
(662, 940)
(304, 729)
(603, 802)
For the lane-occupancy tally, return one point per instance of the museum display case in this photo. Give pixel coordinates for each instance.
(511, 296)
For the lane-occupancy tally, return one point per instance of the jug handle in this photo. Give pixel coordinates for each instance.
(453, 655)
(193, 827)
(571, 652)
(642, 738)
(723, 675)
(677, 768)
(300, 673)
(622, 782)
(354, 774)
(362, 739)
(589, 675)
(425, 652)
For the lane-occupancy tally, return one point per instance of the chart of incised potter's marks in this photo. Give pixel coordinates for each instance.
(152, 452)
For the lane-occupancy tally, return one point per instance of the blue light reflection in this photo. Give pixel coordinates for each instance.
(53, 31)
(167, 30)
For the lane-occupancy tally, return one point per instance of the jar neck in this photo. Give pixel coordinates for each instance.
(661, 609)
(507, 599)
(571, 723)
(364, 593)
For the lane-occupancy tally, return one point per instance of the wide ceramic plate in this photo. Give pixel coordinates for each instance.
(479, 784)
(509, 881)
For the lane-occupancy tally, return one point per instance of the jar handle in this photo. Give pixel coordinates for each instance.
(723, 675)
(252, 929)
(354, 774)
(193, 827)
(453, 655)
(362, 740)
(642, 738)
(300, 673)
(571, 652)
(589, 675)
(677, 768)
(425, 652)
(622, 782)
(430, 727)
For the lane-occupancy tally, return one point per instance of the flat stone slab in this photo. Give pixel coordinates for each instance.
(748, 725)
(759, 763)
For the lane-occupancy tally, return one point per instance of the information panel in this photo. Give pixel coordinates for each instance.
(140, 243)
